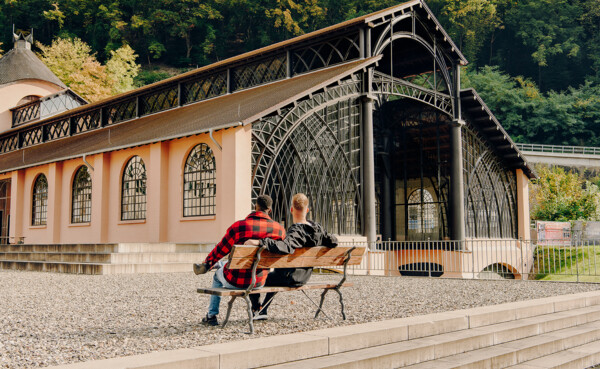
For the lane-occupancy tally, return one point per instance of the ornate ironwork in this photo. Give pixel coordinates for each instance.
(46, 107)
(5, 186)
(32, 136)
(199, 187)
(86, 122)
(154, 102)
(314, 148)
(263, 71)
(326, 53)
(205, 88)
(490, 190)
(26, 113)
(387, 85)
(81, 201)
(121, 111)
(39, 203)
(57, 129)
(133, 194)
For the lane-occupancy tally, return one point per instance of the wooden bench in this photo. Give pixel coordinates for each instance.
(253, 257)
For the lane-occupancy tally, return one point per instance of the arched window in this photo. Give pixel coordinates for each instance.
(39, 203)
(133, 195)
(199, 188)
(28, 99)
(421, 212)
(81, 202)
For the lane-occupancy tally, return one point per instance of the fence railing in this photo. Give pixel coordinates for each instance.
(484, 259)
(559, 149)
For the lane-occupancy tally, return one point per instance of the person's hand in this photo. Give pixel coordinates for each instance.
(252, 243)
(200, 269)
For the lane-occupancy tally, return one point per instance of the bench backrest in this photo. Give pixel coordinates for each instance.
(242, 257)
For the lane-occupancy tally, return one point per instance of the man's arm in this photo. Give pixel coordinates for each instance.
(222, 248)
(295, 238)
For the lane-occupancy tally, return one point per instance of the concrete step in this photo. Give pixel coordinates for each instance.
(109, 258)
(96, 268)
(583, 356)
(519, 351)
(558, 329)
(111, 248)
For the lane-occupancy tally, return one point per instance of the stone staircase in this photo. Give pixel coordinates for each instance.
(560, 334)
(119, 258)
(554, 332)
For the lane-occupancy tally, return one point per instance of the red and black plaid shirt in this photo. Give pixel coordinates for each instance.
(257, 225)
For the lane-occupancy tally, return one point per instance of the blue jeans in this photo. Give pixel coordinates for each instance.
(219, 281)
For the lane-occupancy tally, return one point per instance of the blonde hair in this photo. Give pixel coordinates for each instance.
(300, 201)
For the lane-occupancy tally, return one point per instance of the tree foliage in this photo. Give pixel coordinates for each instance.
(559, 195)
(73, 61)
(535, 62)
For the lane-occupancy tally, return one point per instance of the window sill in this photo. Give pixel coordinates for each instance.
(135, 221)
(37, 227)
(198, 218)
(85, 224)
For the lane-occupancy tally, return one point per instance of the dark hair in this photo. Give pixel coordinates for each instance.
(264, 202)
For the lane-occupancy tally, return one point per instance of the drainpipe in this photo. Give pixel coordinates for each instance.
(87, 164)
(210, 133)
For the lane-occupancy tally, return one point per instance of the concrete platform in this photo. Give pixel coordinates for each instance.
(121, 258)
(555, 332)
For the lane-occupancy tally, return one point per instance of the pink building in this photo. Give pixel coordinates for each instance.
(367, 117)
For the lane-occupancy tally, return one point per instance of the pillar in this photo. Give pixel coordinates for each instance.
(158, 175)
(54, 221)
(456, 219)
(100, 197)
(523, 221)
(368, 174)
(235, 189)
(17, 209)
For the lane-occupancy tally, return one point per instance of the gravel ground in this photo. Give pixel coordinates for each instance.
(50, 319)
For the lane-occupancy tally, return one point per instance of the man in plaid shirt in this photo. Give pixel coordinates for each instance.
(257, 225)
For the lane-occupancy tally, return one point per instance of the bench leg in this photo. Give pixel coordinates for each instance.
(321, 304)
(250, 315)
(229, 306)
(341, 302)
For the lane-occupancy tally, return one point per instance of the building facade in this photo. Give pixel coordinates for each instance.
(366, 117)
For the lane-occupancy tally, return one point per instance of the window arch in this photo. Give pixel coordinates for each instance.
(39, 203)
(133, 195)
(199, 187)
(421, 212)
(81, 201)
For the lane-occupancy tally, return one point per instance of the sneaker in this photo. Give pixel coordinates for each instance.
(260, 315)
(212, 321)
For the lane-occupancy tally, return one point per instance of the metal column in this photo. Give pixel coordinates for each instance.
(456, 219)
(457, 197)
(368, 167)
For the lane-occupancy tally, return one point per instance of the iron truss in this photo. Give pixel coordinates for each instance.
(387, 85)
(313, 147)
(490, 190)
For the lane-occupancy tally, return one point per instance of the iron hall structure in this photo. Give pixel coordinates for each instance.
(366, 117)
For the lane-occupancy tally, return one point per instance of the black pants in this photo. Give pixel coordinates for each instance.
(273, 279)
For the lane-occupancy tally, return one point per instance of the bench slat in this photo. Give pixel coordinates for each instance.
(308, 286)
(242, 257)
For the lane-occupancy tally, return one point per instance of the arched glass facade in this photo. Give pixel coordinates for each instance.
(133, 193)
(39, 204)
(81, 200)
(199, 187)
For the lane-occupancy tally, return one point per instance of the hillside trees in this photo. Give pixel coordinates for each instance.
(73, 61)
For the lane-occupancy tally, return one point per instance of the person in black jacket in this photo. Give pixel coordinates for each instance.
(303, 233)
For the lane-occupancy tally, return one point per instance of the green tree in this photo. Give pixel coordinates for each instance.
(471, 23)
(122, 69)
(562, 196)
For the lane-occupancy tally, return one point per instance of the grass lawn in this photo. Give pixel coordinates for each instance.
(565, 263)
